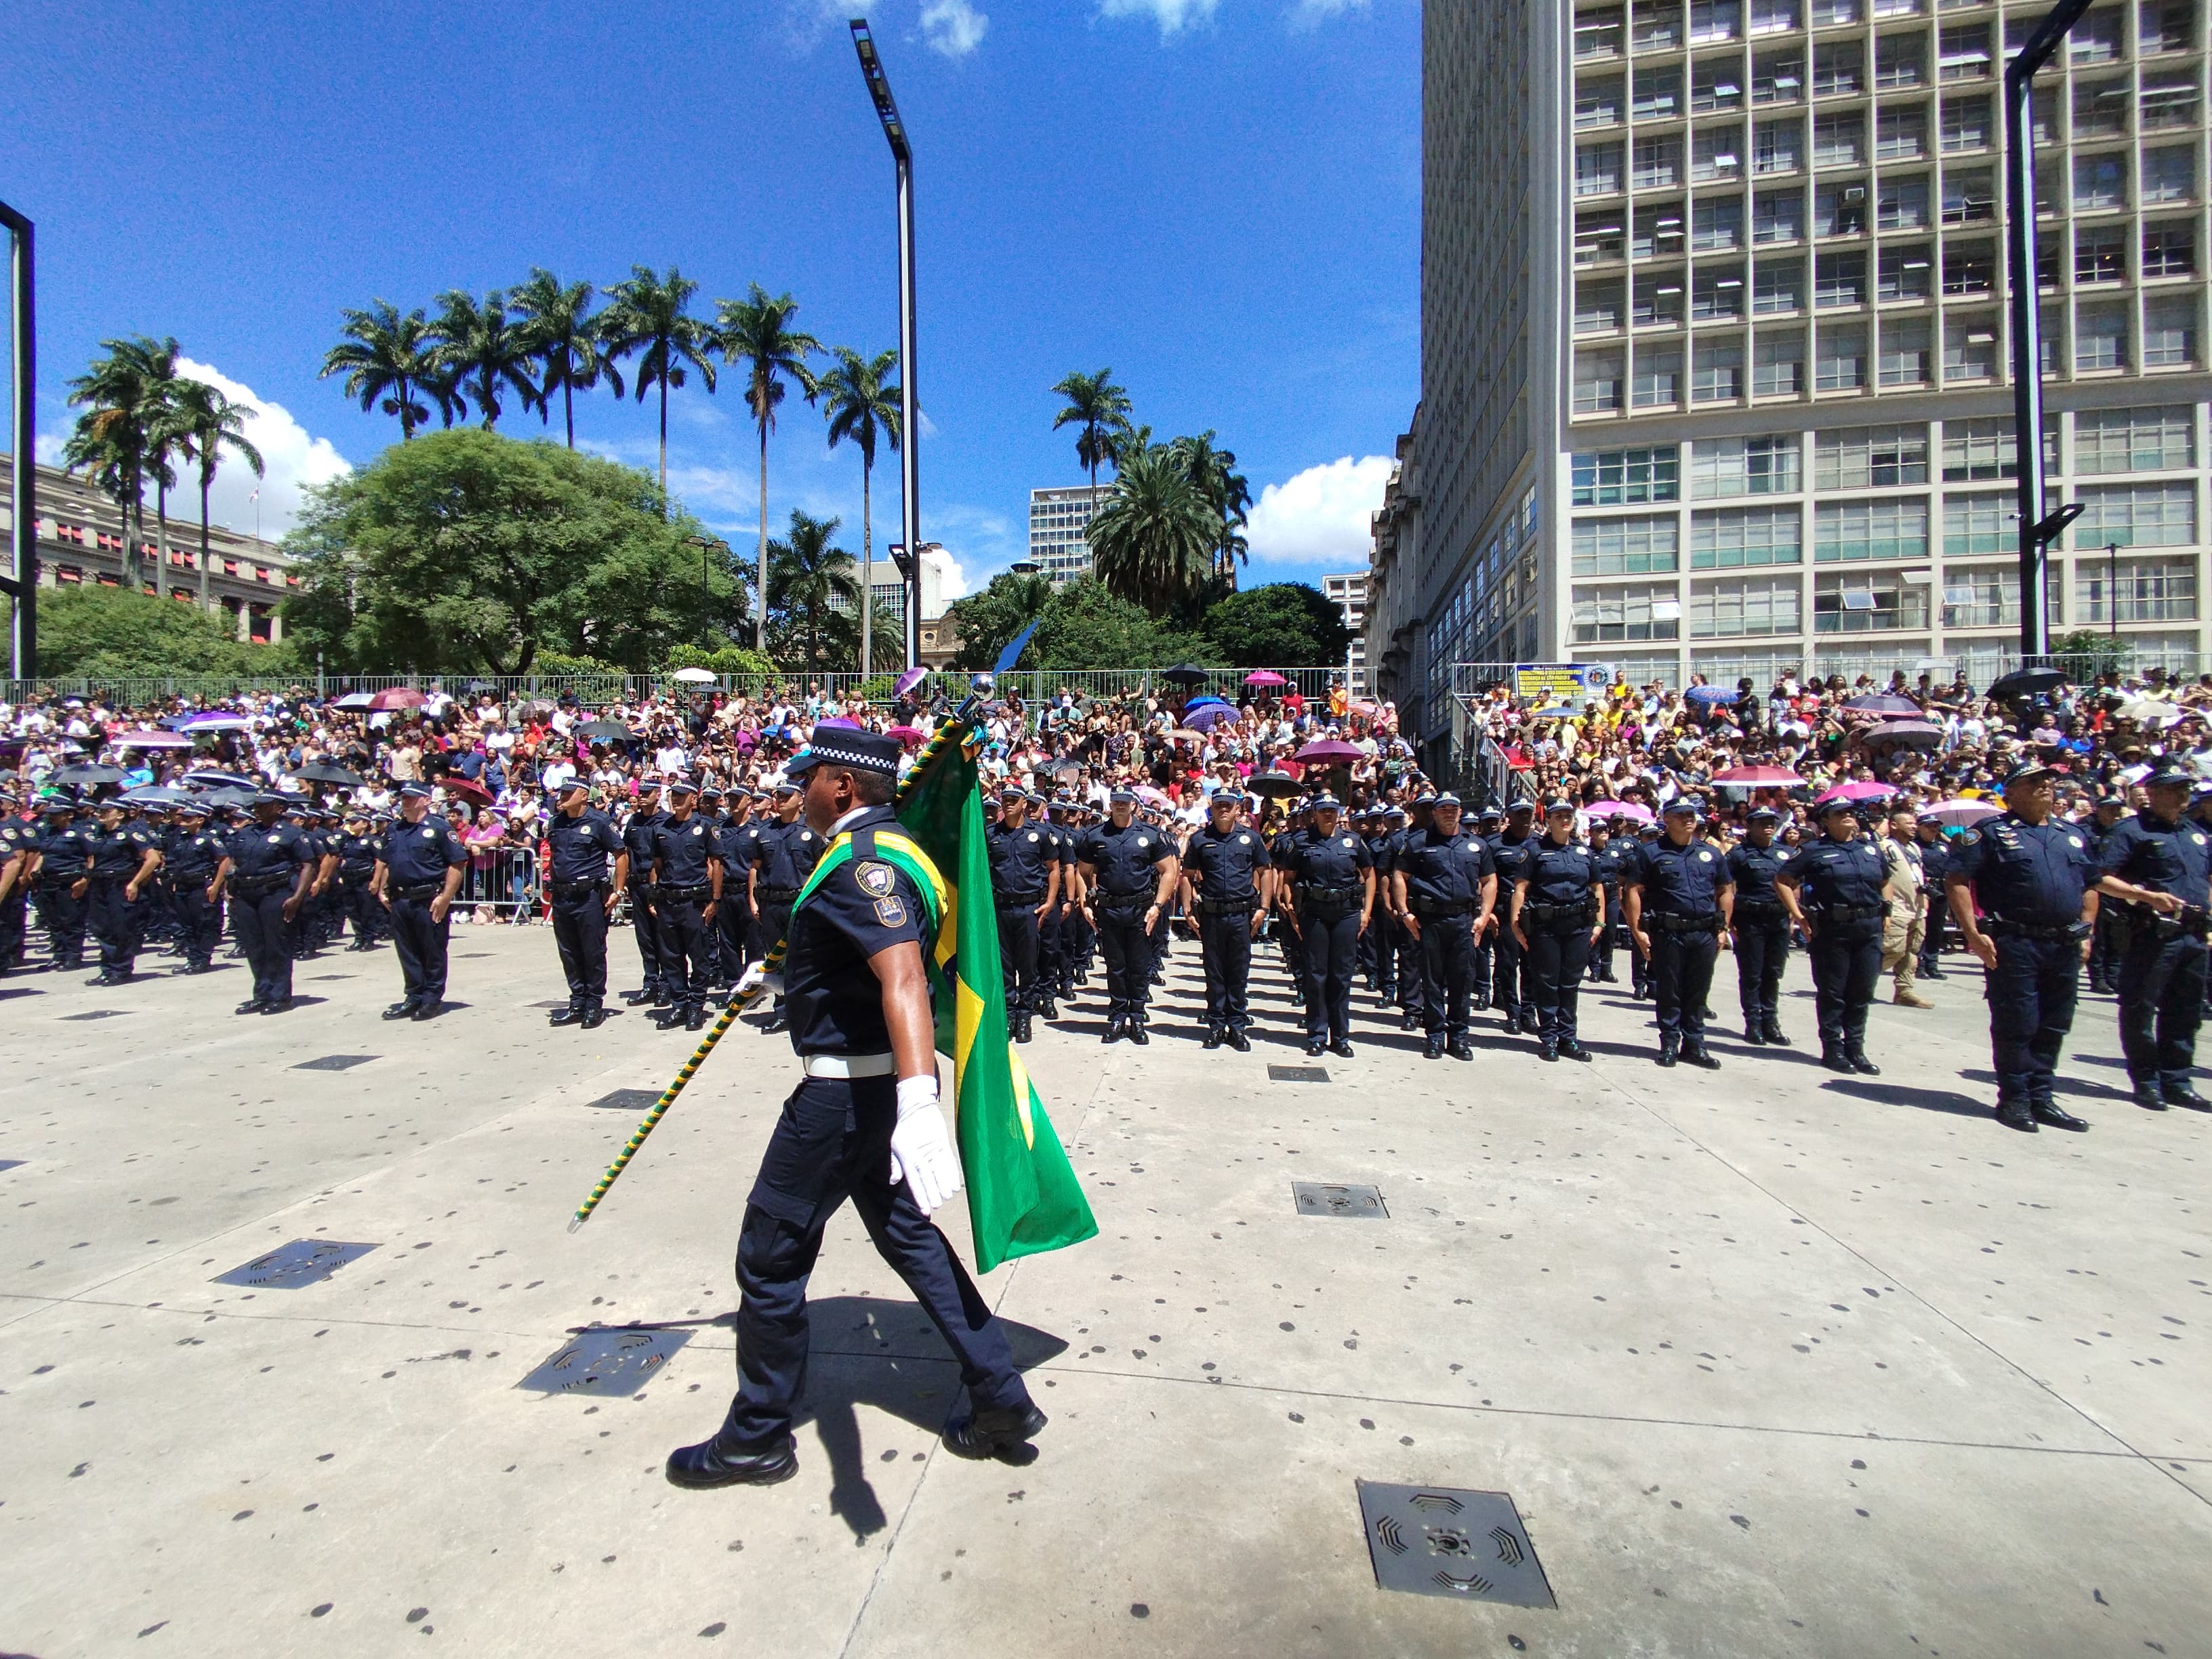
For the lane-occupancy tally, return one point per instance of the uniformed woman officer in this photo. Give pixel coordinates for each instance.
(1832, 887)
(1331, 897)
(1558, 911)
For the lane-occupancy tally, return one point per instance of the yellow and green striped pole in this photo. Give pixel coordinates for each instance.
(957, 721)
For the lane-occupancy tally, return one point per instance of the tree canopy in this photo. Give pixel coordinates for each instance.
(96, 631)
(1282, 623)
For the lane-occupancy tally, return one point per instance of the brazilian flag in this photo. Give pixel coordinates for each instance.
(1023, 1198)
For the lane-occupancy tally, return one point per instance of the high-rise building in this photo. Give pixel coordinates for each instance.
(1348, 594)
(1059, 520)
(939, 571)
(1715, 342)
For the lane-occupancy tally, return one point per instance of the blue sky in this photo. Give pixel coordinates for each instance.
(1218, 198)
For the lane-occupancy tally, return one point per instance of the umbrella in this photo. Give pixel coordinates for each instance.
(1619, 809)
(1205, 700)
(1960, 811)
(1329, 752)
(88, 772)
(1265, 676)
(1151, 796)
(396, 696)
(209, 778)
(1883, 703)
(2147, 710)
(1857, 791)
(154, 794)
(1184, 734)
(1757, 775)
(907, 681)
(213, 720)
(1062, 768)
(467, 788)
(355, 700)
(1271, 783)
(1185, 673)
(149, 740)
(215, 798)
(695, 676)
(1708, 694)
(1913, 734)
(908, 734)
(329, 772)
(604, 731)
(2026, 683)
(1213, 715)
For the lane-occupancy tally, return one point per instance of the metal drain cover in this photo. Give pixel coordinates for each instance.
(606, 1362)
(303, 1261)
(99, 1013)
(334, 1063)
(1298, 1074)
(1328, 1198)
(630, 1100)
(1439, 1541)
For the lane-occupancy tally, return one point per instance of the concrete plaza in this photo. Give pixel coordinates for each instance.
(1771, 1362)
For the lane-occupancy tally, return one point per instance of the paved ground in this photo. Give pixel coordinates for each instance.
(1771, 1362)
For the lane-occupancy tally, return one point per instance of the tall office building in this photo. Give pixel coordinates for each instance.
(1059, 520)
(1348, 592)
(1714, 340)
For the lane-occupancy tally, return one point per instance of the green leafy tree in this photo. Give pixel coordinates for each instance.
(562, 338)
(483, 353)
(212, 424)
(1282, 624)
(862, 403)
(121, 438)
(388, 357)
(987, 620)
(1153, 542)
(1081, 625)
(812, 586)
(722, 659)
(1097, 408)
(757, 332)
(649, 317)
(1226, 491)
(472, 553)
(94, 631)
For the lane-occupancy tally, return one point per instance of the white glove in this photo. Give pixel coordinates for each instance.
(922, 1153)
(757, 977)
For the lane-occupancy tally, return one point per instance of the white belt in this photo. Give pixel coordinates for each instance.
(850, 1064)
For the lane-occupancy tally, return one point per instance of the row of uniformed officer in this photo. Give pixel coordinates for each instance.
(1025, 863)
(1444, 885)
(1832, 887)
(1675, 895)
(417, 877)
(2161, 863)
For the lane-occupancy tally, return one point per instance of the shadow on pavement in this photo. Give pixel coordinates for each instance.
(1926, 1100)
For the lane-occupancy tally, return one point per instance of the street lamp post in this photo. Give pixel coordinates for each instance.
(2037, 531)
(879, 91)
(21, 582)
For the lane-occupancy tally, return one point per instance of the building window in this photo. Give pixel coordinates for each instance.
(1606, 614)
(1716, 293)
(1905, 272)
(1838, 68)
(2135, 439)
(1969, 347)
(1597, 306)
(1658, 231)
(1778, 77)
(2097, 39)
(1840, 359)
(1598, 236)
(1884, 531)
(1962, 53)
(1899, 61)
(1839, 141)
(1974, 524)
(1975, 451)
(1867, 604)
(2101, 337)
(1900, 134)
(1597, 102)
(1968, 198)
(2134, 591)
(2165, 26)
(1969, 269)
(1777, 216)
(1716, 154)
(1779, 17)
(2170, 249)
(1626, 547)
(1597, 169)
(2170, 330)
(1659, 299)
(1835, 14)
(1777, 285)
(1778, 365)
(2100, 181)
(2100, 109)
(1988, 598)
(1657, 162)
(1626, 477)
(1839, 279)
(1716, 372)
(1839, 208)
(1965, 124)
(1599, 34)
(1597, 382)
(1870, 458)
(1755, 604)
(2100, 255)
(1778, 147)
(1714, 21)
(1745, 466)
(1716, 86)
(1656, 379)
(2169, 176)
(1733, 539)
(1902, 203)
(2141, 515)
(1904, 351)
(1717, 225)
(1658, 94)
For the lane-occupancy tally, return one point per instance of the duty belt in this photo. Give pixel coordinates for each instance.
(421, 891)
(1138, 900)
(577, 888)
(253, 886)
(1426, 907)
(1669, 923)
(1849, 912)
(2004, 927)
(1228, 907)
(775, 895)
(1019, 901)
(1314, 893)
(1759, 912)
(702, 890)
(1558, 915)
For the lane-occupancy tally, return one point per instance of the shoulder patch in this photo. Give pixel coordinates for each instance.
(875, 878)
(891, 912)
(1970, 836)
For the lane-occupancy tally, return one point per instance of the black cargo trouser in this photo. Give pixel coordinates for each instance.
(1558, 953)
(265, 935)
(1329, 937)
(1762, 948)
(1847, 958)
(14, 919)
(1127, 945)
(115, 919)
(2162, 1004)
(1017, 953)
(2032, 992)
(199, 921)
(1448, 955)
(421, 944)
(1681, 980)
(646, 924)
(61, 915)
(580, 933)
(686, 951)
(1224, 945)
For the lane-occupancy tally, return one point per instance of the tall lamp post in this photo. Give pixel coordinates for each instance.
(879, 90)
(21, 582)
(2037, 531)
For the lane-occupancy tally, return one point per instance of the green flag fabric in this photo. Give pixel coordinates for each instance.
(1023, 1196)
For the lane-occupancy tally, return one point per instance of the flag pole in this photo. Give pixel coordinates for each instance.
(953, 723)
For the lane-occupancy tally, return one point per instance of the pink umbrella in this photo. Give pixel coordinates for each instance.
(1857, 791)
(149, 740)
(1329, 752)
(1961, 812)
(397, 696)
(1619, 809)
(1781, 774)
(1151, 796)
(908, 734)
(1265, 676)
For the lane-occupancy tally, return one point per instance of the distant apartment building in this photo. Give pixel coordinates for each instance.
(1348, 592)
(1059, 522)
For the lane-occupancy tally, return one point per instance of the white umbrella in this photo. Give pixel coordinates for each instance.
(694, 675)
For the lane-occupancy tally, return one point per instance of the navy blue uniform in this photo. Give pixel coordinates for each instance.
(1443, 891)
(117, 920)
(1379, 945)
(1680, 889)
(265, 862)
(415, 858)
(2162, 968)
(65, 859)
(683, 885)
(356, 879)
(733, 922)
(1226, 867)
(1762, 936)
(1934, 865)
(1328, 881)
(584, 849)
(833, 1142)
(1126, 862)
(1557, 915)
(637, 839)
(1608, 858)
(193, 857)
(1023, 863)
(1840, 890)
(1412, 971)
(2028, 880)
(1509, 988)
(18, 840)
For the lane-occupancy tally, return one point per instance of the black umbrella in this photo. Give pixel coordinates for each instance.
(210, 778)
(2026, 683)
(1272, 783)
(88, 772)
(1061, 767)
(328, 772)
(1184, 673)
(605, 730)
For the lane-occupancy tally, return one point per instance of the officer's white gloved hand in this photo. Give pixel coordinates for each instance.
(757, 977)
(922, 1153)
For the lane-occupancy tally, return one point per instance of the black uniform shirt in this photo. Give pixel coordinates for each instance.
(682, 851)
(193, 857)
(1936, 857)
(1319, 860)
(1124, 857)
(1021, 862)
(2027, 872)
(118, 855)
(1441, 869)
(864, 905)
(637, 836)
(1830, 874)
(67, 851)
(1609, 860)
(16, 838)
(1753, 870)
(1382, 850)
(257, 853)
(1509, 854)
(2165, 858)
(357, 854)
(1223, 862)
(787, 855)
(584, 847)
(1559, 875)
(1677, 881)
(419, 854)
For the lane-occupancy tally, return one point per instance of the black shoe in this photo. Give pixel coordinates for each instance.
(252, 1006)
(1409, 1021)
(1479, 1001)
(1755, 1036)
(1771, 1030)
(402, 1010)
(1667, 1054)
(1573, 1049)
(1341, 1048)
(100, 979)
(2014, 1115)
(1836, 1062)
(1529, 1021)
(1435, 1050)
(1136, 1033)
(429, 1009)
(667, 1019)
(1049, 1010)
(2098, 987)
(696, 1020)
(1460, 1050)
(708, 1464)
(1860, 1064)
(565, 1017)
(2180, 1094)
(1315, 1050)
(282, 1005)
(1698, 1055)
(2046, 1110)
(1113, 1033)
(592, 1019)
(1240, 1043)
(995, 1429)
(1547, 1050)
(1212, 1038)
(662, 1000)
(778, 1021)
(2150, 1096)
(633, 998)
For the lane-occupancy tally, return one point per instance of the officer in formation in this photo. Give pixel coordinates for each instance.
(1608, 849)
(1934, 868)
(1223, 866)
(1758, 928)
(1024, 886)
(1379, 945)
(195, 853)
(687, 886)
(1050, 945)
(267, 867)
(124, 856)
(2162, 860)
(1558, 911)
(65, 858)
(1128, 871)
(590, 868)
(1072, 965)
(644, 924)
(19, 860)
(1409, 826)
(1329, 883)
(1676, 894)
(788, 849)
(359, 848)
(1508, 850)
(1445, 885)
(1833, 887)
(1485, 826)
(865, 1124)
(417, 877)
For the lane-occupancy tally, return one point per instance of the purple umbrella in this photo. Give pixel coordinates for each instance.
(1857, 791)
(1884, 703)
(1211, 716)
(1913, 734)
(1328, 753)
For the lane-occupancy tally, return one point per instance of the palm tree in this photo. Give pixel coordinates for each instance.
(808, 579)
(564, 337)
(648, 315)
(1226, 491)
(1100, 408)
(212, 424)
(482, 351)
(1153, 541)
(388, 356)
(758, 330)
(118, 439)
(862, 404)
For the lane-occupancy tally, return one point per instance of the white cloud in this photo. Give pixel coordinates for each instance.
(951, 580)
(953, 26)
(1320, 516)
(1312, 14)
(1173, 17)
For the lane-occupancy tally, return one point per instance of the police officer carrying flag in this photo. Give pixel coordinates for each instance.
(416, 880)
(1675, 893)
(1558, 911)
(590, 869)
